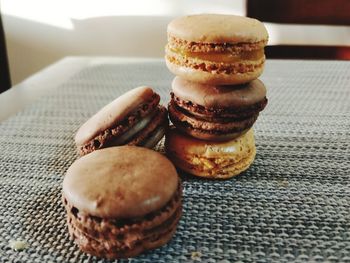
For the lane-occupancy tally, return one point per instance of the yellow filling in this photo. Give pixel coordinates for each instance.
(212, 167)
(225, 57)
(208, 164)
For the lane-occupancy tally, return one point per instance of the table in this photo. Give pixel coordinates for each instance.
(293, 204)
(41, 83)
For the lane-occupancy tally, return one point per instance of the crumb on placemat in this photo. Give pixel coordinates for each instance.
(18, 245)
(196, 255)
(283, 183)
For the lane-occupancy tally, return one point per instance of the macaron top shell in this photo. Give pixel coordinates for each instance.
(227, 96)
(216, 28)
(114, 112)
(120, 182)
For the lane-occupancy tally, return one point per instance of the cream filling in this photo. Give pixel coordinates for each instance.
(155, 138)
(221, 57)
(139, 126)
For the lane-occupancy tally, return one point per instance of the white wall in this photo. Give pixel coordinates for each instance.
(39, 32)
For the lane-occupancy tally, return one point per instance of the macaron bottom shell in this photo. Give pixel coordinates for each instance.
(213, 168)
(215, 73)
(116, 239)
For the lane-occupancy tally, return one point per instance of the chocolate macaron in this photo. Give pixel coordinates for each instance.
(216, 49)
(121, 201)
(214, 160)
(135, 118)
(215, 113)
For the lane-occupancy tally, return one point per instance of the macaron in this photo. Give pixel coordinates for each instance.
(216, 49)
(134, 118)
(215, 112)
(122, 201)
(214, 160)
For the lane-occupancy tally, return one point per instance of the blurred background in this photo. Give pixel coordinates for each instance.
(40, 32)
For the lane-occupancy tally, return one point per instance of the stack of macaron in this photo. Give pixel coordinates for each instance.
(121, 199)
(216, 96)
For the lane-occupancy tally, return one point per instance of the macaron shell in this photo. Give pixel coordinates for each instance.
(120, 182)
(220, 169)
(228, 96)
(115, 112)
(185, 145)
(215, 28)
(201, 73)
(210, 159)
(103, 249)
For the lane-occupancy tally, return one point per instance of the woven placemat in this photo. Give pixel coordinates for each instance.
(292, 205)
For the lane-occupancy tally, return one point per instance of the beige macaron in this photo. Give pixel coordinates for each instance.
(215, 160)
(216, 49)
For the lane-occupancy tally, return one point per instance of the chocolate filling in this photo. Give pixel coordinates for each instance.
(187, 126)
(181, 117)
(212, 114)
(214, 120)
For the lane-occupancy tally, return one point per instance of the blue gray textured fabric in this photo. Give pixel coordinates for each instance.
(292, 205)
